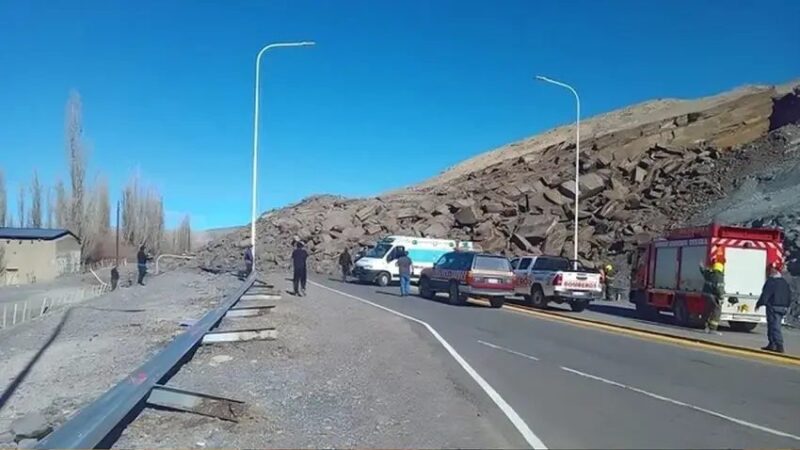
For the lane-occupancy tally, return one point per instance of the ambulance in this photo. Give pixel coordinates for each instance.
(379, 265)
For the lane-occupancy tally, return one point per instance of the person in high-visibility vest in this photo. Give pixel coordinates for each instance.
(714, 289)
(608, 280)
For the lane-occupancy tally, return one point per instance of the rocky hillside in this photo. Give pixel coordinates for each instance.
(643, 169)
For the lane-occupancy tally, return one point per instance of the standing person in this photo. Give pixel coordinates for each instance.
(608, 280)
(777, 297)
(248, 261)
(114, 278)
(404, 267)
(299, 257)
(141, 263)
(346, 263)
(714, 289)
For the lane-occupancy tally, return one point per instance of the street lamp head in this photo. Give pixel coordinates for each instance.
(543, 78)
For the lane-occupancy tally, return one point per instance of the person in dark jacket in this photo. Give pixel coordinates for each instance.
(776, 295)
(114, 278)
(248, 261)
(141, 263)
(346, 263)
(299, 257)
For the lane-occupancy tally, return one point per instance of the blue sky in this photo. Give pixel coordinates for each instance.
(394, 92)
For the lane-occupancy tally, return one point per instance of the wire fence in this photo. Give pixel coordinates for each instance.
(104, 264)
(15, 313)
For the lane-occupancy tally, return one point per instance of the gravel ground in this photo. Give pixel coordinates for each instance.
(101, 341)
(340, 374)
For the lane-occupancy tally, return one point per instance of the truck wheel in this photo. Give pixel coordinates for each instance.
(744, 327)
(455, 295)
(383, 279)
(681, 312)
(538, 300)
(682, 316)
(578, 305)
(645, 311)
(425, 289)
(497, 302)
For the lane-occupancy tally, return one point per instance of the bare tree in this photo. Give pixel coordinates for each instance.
(103, 206)
(36, 202)
(142, 215)
(49, 204)
(92, 235)
(76, 156)
(62, 206)
(182, 237)
(3, 201)
(130, 211)
(21, 206)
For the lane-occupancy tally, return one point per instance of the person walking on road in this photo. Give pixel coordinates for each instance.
(714, 289)
(404, 267)
(776, 295)
(299, 257)
(346, 263)
(141, 262)
(248, 261)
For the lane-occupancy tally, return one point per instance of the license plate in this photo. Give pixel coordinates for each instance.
(493, 281)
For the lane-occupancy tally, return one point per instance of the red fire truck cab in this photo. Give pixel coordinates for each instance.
(666, 273)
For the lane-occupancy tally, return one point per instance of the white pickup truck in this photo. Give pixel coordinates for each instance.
(544, 279)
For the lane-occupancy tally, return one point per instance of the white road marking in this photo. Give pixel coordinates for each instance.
(687, 405)
(508, 350)
(512, 415)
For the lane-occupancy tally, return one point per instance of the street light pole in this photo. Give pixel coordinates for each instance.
(577, 156)
(255, 139)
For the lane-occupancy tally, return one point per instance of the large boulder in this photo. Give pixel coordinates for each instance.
(466, 216)
(367, 211)
(436, 230)
(406, 213)
(554, 241)
(555, 197)
(337, 221)
(590, 185)
(535, 228)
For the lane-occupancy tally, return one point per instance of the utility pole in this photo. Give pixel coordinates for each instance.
(117, 252)
(255, 139)
(577, 160)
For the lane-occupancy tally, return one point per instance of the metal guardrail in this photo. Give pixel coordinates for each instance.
(99, 419)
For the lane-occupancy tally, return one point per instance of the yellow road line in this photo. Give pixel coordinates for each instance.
(684, 341)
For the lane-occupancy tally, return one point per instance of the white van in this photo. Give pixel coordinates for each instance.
(379, 265)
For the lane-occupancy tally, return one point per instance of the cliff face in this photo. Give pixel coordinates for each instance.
(643, 169)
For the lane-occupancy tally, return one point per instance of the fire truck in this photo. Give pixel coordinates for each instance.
(666, 273)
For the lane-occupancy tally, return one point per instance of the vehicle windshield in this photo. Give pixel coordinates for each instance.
(492, 263)
(379, 251)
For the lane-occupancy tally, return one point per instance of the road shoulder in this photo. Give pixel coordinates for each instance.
(340, 374)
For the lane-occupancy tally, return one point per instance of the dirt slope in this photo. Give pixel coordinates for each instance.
(644, 168)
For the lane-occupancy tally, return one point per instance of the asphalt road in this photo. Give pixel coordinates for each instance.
(624, 313)
(582, 388)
